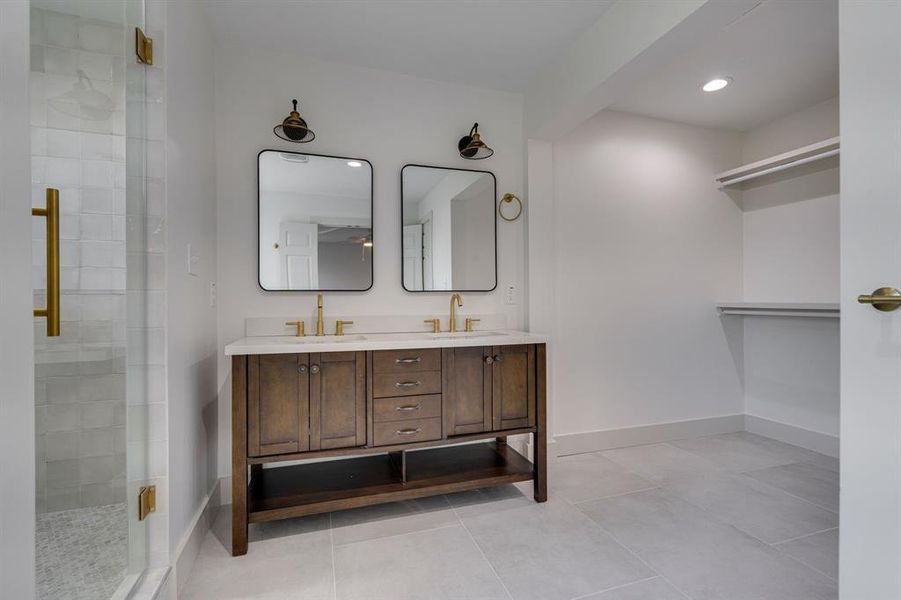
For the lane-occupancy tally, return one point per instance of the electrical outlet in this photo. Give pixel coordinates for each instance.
(510, 296)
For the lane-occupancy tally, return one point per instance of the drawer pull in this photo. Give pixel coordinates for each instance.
(408, 431)
(407, 384)
(409, 407)
(408, 361)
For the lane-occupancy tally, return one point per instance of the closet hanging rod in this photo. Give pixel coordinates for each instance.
(782, 167)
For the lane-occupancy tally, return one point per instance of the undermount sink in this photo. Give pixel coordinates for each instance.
(465, 334)
(322, 339)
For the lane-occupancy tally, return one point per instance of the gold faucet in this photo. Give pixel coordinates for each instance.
(458, 299)
(299, 325)
(320, 322)
(435, 323)
(339, 326)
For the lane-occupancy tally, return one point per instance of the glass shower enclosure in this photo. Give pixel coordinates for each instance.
(93, 381)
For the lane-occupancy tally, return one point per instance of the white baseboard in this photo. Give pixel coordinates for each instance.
(605, 439)
(189, 546)
(823, 443)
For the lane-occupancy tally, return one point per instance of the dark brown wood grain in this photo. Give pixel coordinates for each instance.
(540, 436)
(403, 408)
(278, 409)
(405, 432)
(337, 400)
(467, 390)
(385, 385)
(299, 490)
(513, 390)
(406, 361)
(239, 455)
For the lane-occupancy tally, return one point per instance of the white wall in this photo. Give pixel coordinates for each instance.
(387, 118)
(190, 321)
(791, 254)
(17, 470)
(870, 59)
(645, 244)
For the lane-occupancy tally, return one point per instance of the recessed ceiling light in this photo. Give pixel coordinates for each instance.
(354, 163)
(717, 84)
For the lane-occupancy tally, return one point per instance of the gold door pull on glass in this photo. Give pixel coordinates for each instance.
(885, 299)
(51, 213)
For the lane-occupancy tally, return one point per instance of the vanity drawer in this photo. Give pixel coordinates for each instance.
(406, 432)
(406, 361)
(385, 385)
(404, 408)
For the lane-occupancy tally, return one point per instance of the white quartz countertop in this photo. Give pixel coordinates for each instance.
(379, 341)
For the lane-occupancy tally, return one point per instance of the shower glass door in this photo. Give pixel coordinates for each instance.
(93, 380)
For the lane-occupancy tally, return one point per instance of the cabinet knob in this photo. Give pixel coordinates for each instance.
(314, 368)
(489, 360)
(498, 358)
(302, 369)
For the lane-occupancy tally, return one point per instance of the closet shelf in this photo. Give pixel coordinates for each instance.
(827, 310)
(780, 162)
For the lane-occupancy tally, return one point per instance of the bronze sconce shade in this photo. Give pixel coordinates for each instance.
(294, 128)
(472, 147)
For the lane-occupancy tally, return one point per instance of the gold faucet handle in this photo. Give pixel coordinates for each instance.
(299, 325)
(435, 323)
(469, 323)
(339, 326)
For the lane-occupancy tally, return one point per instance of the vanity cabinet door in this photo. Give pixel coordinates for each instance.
(278, 404)
(467, 390)
(337, 400)
(513, 389)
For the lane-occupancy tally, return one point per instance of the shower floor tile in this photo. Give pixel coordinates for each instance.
(82, 554)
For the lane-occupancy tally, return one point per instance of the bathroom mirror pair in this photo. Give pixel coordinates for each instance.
(315, 225)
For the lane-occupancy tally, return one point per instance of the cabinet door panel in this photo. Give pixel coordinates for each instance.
(337, 400)
(467, 390)
(278, 397)
(514, 387)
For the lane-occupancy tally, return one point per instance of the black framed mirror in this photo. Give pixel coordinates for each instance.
(314, 217)
(448, 229)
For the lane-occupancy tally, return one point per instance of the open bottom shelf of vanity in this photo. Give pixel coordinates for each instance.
(298, 490)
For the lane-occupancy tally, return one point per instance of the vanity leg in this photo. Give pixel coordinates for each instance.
(239, 455)
(539, 438)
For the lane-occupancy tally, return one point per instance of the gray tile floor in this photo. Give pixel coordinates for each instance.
(730, 517)
(81, 554)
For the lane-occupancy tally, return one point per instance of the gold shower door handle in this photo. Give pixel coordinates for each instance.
(885, 299)
(51, 213)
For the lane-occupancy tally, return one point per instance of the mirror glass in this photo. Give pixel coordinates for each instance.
(449, 229)
(315, 222)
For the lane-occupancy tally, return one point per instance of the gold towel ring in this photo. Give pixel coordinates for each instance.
(508, 199)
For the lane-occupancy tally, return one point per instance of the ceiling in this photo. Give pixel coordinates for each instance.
(782, 55)
(496, 44)
(323, 176)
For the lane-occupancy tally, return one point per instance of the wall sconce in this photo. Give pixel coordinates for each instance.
(472, 147)
(513, 213)
(294, 129)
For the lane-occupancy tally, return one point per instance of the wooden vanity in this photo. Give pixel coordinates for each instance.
(393, 418)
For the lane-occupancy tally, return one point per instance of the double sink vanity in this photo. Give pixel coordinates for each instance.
(391, 408)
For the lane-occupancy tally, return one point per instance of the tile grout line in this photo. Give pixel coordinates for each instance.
(745, 474)
(801, 537)
(633, 553)
(395, 535)
(611, 496)
(331, 537)
(616, 587)
(482, 552)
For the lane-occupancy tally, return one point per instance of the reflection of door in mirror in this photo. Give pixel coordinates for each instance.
(299, 251)
(315, 222)
(412, 257)
(455, 211)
